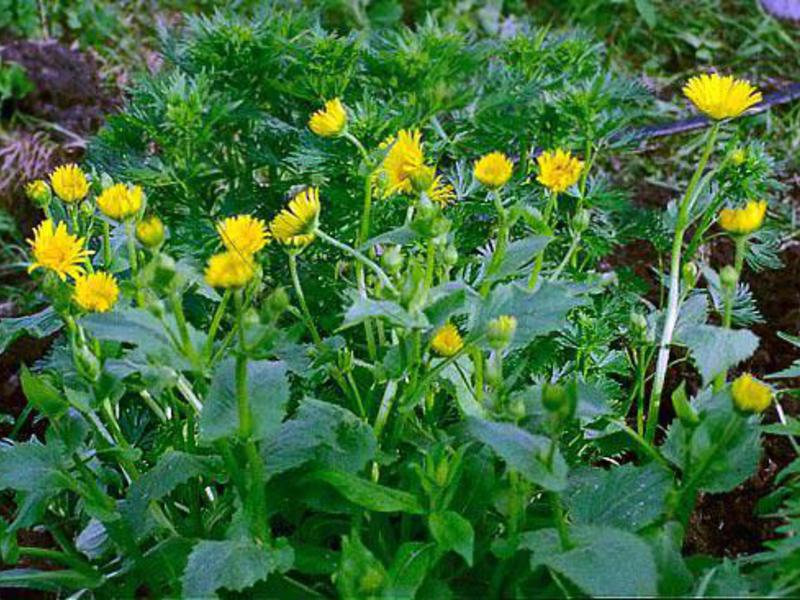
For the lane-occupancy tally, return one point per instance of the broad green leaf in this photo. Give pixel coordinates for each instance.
(267, 393)
(323, 434)
(626, 497)
(465, 396)
(172, 469)
(408, 570)
(32, 467)
(453, 532)
(39, 325)
(727, 463)
(448, 300)
(537, 313)
(372, 496)
(647, 11)
(519, 254)
(365, 308)
(42, 394)
(674, 578)
(717, 349)
(603, 561)
(233, 565)
(359, 574)
(61, 580)
(128, 325)
(400, 236)
(522, 451)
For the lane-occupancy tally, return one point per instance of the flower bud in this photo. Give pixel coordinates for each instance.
(750, 395)
(422, 178)
(277, 302)
(500, 331)
(554, 397)
(739, 156)
(683, 408)
(39, 193)
(581, 220)
(150, 232)
(392, 259)
(689, 274)
(87, 208)
(728, 277)
(493, 370)
(87, 363)
(638, 323)
(450, 255)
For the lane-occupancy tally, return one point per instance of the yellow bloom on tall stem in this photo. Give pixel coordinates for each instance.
(743, 221)
(56, 249)
(229, 270)
(558, 170)
(447, 341)
(721, 97)
(493, 170)
(243, 233)
(69, 183)
(329, 121)
(97, 292)
(750, 395)
(120, 201)
(404, 160)
(296, 224)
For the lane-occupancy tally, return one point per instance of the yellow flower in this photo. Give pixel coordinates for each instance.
(295, 225)
(403, 162)
(750, 395)
(441, 192)
(120, 201)
(447, 341)
(329, 121)
(493, 170)
(229, 270)
(721, 97)
(97, 292)
(56, 249)
(150, 231)
(743, 221)
(558, 170)
(38, 192)
(243, 233)
(69, 183)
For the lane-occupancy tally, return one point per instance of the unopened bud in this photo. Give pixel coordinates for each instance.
(738, 156)
(88, 363)
(728, 277)
(500, 331)
(689, 273)
(554, 397)
(150, 232)
(39, 193)
(277, 302)
(581, 220)
(450, 255)
(422, 178)
(638, 323)
(392, 259)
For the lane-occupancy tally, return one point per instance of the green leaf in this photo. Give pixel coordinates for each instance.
(172, 469)
(323, 434)
(32, 467)
(40, 325)
(400, 236)
(537, 313)
(647, 11)
(372, 496)
(522, 451)
(63, 580)
(519, 254)
(365, 308)
(232, 564)
(359, 573)
(728, 463)
(717, 349)
(674, 578)
(408, 570)
(129, 326)
(453, 532)
(42, 394)
(267, 394)
(626, 497)
(603, 562)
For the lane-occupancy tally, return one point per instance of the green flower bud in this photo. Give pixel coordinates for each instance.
(500, 331)
(638, 323)
(739, 156)
(39, 193)
(554, 397)
(450, 255)
(422, 179)
(87, 208)
(683, 408)
(392, 259)
(277, 302)
(581, 220)
(728, 277)
(87, 363)
(689, 274)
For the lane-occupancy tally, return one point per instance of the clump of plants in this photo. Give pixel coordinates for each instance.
(478, 411)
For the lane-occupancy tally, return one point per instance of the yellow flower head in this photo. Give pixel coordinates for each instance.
(150, 231)
(447, 341)
(295, 225)
(493, 170)
(750, 395)
(229, 270)
(38, 192)
(721, 97)
(69, 183)
(558, 170)
(56, 249)
(440, 192)
(243, 233)
(329, 121)
(97, 292)
(743, 221)
(120, 201)
(403, 162)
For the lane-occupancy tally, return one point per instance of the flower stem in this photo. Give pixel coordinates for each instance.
(730, 294)
(106, 246)
(215, 322)
(500, 245)
(301, 298)
(673, 302)
(360, 257)
(552, 201)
